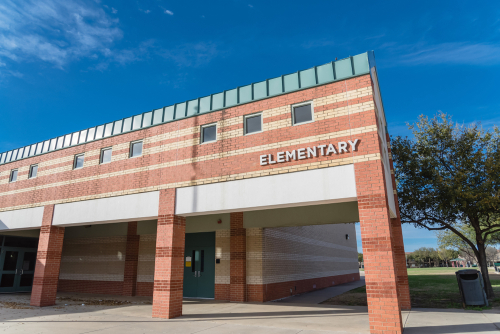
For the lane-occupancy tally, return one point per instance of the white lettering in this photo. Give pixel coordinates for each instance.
(342, 146)
(311, 152)
(353, 145)
(263, 161)
(301, 153)
(331, 149)
(322, 148)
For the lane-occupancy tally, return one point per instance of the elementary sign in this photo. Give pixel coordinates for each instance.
(307, 152)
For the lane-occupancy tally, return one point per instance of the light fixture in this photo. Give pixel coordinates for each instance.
(347, 237)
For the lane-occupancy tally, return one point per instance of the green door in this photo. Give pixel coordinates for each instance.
(199, 265)
(17, 268)
(17, 263)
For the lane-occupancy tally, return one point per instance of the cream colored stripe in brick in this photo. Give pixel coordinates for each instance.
(222, 279)
(221, 124)
(286, 143)
(341, 97)
(231, 177)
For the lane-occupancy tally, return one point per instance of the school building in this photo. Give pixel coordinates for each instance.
(250, 194)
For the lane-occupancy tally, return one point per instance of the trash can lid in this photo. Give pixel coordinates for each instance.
(467, 272)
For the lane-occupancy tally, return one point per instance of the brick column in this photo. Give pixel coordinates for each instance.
(48, 261)
(238, 265)
(169, 261)
(399, 248)
(131, 259)
(376, 233)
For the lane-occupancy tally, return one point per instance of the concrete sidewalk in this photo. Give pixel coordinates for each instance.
(210, 317)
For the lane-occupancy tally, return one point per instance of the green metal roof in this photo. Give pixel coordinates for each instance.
(315, 76)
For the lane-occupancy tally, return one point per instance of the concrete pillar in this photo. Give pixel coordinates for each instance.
(378, 251)
(48, 261)
(238, 265)
(169, 261)
(131, 259)
(399, 248)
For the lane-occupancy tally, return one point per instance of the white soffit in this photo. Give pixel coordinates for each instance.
(21, 219)
(140, 206)
(319, 186)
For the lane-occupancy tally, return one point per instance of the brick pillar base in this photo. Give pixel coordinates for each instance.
(131, 259)
(169, 261)
(376, 232)
(48, 261)
(238, 265)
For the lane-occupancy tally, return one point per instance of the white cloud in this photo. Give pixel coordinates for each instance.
(54, 31)
(458, 53)
(114, 10)
(169, 12)
(251, 6)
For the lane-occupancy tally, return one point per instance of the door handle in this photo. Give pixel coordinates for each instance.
(22, 271)
(16, 271)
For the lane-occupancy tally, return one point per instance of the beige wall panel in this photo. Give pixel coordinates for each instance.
(222, 252)
(146, 264)
(94, 259)
(304, 252)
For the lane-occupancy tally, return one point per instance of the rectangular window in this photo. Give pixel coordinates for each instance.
(136, 149)
(106, 155)
(33, 171)
(302, 113)
(79, 159)
(208, 133)
(13, 175)
(252, 123)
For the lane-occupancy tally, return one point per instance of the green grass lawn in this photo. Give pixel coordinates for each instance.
(429, 287)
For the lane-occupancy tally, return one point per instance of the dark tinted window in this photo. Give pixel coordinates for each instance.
(209, 133)
(253, 124)
(302, 114)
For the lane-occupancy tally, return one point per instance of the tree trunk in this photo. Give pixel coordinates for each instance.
(484, 270)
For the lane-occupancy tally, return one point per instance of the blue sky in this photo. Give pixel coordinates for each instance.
(67, 65)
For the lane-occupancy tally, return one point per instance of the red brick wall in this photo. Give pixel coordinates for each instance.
(377, 240)
(169, 264)
(98, 287)
(131, 259)
(237, 289)
(222, 292)
(57, 182)
(48, 261)
(399, 248)
(144, 289)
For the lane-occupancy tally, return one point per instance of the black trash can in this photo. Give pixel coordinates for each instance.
(470, 283)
